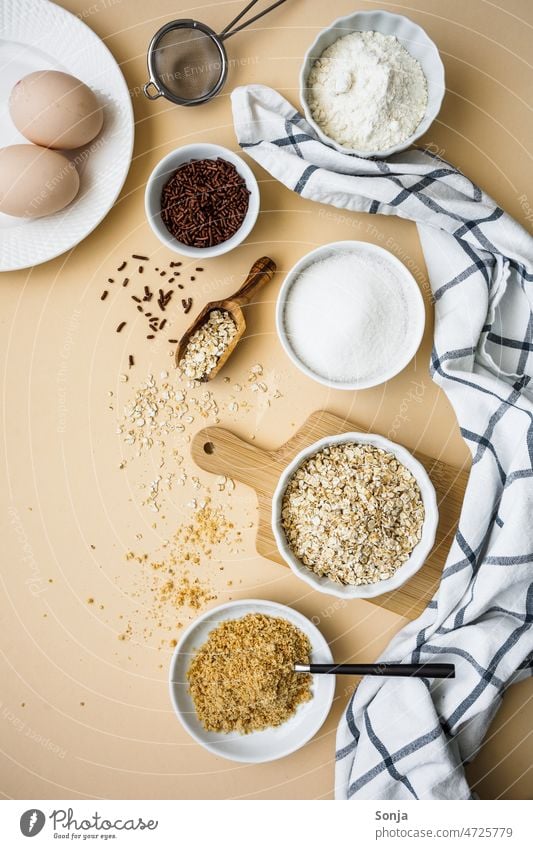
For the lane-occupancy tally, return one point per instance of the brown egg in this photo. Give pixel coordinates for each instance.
(55, 110)
(35, 181)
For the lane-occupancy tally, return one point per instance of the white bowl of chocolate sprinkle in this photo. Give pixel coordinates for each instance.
(202, 200)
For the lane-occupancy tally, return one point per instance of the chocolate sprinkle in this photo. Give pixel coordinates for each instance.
(204, 202)
(121, 326)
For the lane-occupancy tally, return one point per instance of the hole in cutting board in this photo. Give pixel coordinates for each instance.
(209, 448)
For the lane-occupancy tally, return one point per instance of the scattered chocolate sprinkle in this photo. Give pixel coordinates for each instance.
(193, 279)
(140, 269)
(140, 308)
(162, 324)
(104, 295)
(131, 361)
(139, 256)
(125, 281)
(110, 280)
(181, 286)
(175, 264)
(151, 336)
(173, 341)
(122, 266)
(135, 298)
(162, 273)
(121, 326)
(198, 269)
(186, 304)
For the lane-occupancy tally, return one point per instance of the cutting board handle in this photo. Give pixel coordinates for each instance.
(221, 452)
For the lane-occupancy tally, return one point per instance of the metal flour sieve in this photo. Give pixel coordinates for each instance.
(187, 60)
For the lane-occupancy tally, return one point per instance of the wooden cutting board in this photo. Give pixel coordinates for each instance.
(220, 452)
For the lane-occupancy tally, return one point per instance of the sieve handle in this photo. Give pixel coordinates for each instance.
(231, 29)
(146, 90)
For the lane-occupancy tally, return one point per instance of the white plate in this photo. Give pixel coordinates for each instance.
(419, 552)
(259, 746)
(37, 35)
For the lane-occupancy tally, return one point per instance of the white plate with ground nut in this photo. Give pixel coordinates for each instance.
(355, 515)
(232, 684)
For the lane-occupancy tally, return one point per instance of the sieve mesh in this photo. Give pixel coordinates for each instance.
(189, 62)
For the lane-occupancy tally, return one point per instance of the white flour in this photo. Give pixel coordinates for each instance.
(367, 92)
(347, 317)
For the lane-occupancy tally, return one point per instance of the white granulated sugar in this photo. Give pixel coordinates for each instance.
(347, 317)
(367, 92)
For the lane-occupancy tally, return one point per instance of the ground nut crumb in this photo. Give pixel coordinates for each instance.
(207, 344)
(242, 678)
(352, 512)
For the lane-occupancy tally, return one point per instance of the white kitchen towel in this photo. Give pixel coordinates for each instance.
(402, 738)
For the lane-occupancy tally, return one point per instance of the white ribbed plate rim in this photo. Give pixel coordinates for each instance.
(35, 35)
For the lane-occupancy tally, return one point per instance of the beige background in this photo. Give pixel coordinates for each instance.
(82, 713)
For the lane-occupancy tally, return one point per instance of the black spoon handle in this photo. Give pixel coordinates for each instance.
(410, 670)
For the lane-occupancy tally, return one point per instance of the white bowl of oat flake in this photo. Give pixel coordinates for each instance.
(365, 95)
(333, 497)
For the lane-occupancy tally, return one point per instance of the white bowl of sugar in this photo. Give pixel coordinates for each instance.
(350, 315)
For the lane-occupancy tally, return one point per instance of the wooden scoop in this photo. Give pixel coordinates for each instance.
(261, 272)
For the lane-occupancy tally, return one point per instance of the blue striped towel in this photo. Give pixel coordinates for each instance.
(403, 738)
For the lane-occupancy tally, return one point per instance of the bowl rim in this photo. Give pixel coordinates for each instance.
(420, 552)
(168, 164)
(349, 246)
(276, 608)
(440, 85)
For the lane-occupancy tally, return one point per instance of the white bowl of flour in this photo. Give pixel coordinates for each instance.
(371, 83)
(350, 315)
